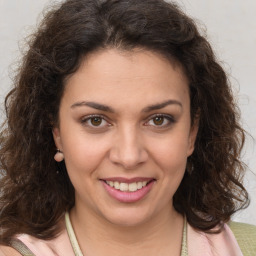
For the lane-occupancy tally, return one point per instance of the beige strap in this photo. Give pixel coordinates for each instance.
(21, 247)
(184, 248)
(72, 236)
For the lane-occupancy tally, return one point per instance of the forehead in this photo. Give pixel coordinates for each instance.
(111, 74)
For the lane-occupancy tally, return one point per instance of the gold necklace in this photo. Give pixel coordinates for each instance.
(78, 252)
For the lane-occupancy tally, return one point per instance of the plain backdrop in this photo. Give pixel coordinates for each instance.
(231, 29)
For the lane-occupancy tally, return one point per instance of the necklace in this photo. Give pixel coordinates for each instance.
(78, 252)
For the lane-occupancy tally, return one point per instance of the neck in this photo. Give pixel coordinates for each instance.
(158, 236)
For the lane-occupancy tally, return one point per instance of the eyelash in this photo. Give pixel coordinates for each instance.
(166, 117)
(86, 119)
(170, 120)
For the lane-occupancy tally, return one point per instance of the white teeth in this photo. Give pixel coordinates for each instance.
(131, 187)
(124, 186)
(116, 185)
(139, 185)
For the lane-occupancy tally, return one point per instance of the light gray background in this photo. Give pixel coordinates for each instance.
(231, 28)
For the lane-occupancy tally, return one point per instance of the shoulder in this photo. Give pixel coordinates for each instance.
(29, 245)
(8, 251)
(222, 243)
(245, 235)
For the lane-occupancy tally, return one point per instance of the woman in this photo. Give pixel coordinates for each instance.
(122, 137)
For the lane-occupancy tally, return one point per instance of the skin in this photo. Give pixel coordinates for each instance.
(6, 251)
(128, 141)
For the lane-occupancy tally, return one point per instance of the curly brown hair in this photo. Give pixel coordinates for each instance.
(35, 191)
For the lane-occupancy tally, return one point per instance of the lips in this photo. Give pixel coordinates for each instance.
(128, 190)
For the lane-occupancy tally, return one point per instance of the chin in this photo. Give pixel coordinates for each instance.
(127, 218)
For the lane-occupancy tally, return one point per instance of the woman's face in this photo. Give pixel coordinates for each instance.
(125, 132)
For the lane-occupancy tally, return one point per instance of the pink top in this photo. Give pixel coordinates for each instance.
(202, 244)
(60, 246)
(199, 244)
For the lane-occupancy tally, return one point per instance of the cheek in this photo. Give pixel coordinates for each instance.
(172, 160)
(171, 155)
(82, 162)
(83, 153)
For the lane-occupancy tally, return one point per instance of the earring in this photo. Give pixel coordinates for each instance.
(59, 156)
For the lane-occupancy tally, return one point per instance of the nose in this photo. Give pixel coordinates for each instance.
(128, 149)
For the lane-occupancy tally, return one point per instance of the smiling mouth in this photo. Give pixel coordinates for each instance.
(128, 187)
(128, 190)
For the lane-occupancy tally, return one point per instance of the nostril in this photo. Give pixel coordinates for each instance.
(128, 154)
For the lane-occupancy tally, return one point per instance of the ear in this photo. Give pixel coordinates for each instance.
(57, 137)
(192, 136)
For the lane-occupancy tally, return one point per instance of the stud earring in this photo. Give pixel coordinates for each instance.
(59, 156)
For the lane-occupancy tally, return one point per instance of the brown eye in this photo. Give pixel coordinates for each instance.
(96, 121)
(158, 120)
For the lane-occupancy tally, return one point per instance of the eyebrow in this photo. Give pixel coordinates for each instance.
(106, 108)
(93, 105)
(162, 105)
